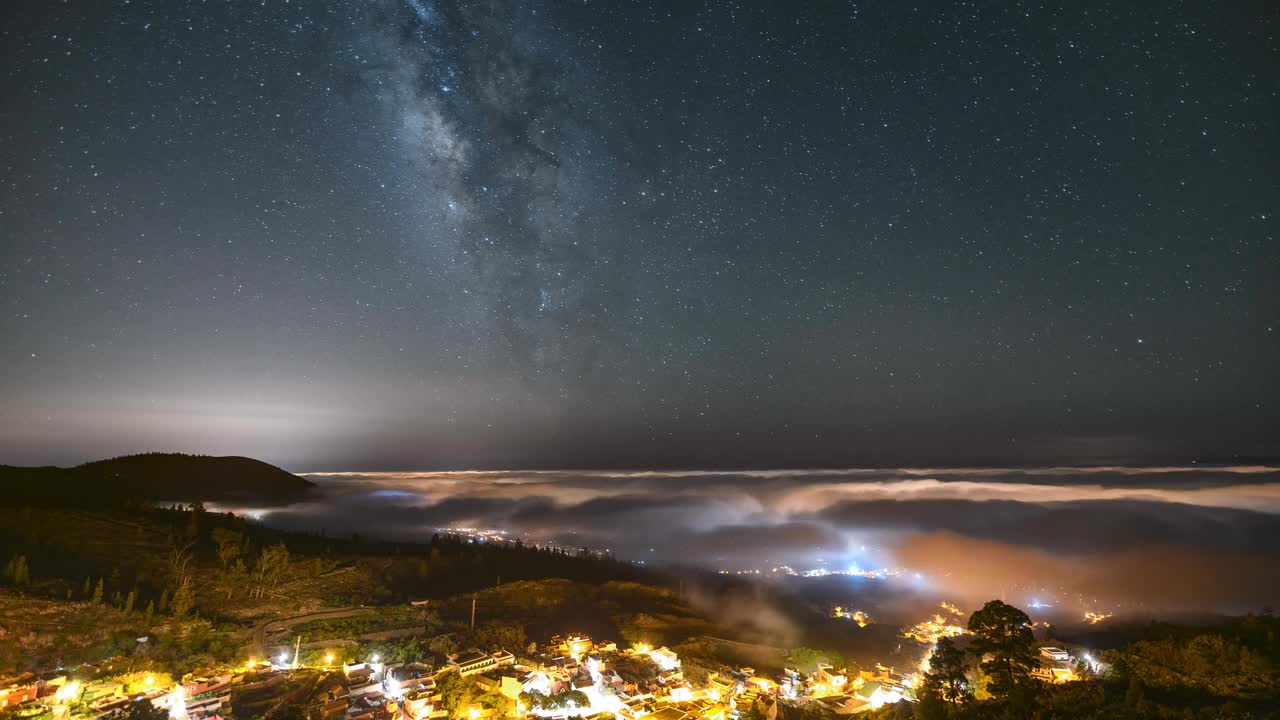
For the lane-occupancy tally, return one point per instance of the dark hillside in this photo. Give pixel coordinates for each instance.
(152, 477)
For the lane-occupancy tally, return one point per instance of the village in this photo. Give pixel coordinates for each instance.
(570, 676)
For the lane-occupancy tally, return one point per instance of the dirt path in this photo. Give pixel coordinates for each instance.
(258, 639)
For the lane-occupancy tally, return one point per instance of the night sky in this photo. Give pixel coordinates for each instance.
(421, 234)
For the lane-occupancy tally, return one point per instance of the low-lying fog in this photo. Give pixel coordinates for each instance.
(1144, 540)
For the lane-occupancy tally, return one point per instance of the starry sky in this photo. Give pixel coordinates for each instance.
(424, 234)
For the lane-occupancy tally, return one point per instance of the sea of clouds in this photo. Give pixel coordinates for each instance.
(1144, 539)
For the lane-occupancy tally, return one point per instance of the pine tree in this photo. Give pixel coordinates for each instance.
(151, 610)
(1002, 634)
(1136, 696)
(97, 593)
(946, 676)
(21, 573)
(85, 591)
(164, 601)
(183, 600)
(130, 600)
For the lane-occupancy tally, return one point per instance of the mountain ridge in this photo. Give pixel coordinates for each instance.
(151, 477)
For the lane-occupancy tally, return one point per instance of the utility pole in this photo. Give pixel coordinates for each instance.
(473, 611)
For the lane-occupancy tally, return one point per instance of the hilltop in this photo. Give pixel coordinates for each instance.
(153, 477)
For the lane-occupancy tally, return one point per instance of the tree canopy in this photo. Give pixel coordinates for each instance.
(1003, 641)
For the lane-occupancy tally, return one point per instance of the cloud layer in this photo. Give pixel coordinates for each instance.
(1167, 537)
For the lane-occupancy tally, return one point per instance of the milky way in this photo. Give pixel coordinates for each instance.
(434, 234)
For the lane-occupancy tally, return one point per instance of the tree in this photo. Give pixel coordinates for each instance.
(757, 711)
(567, 699)
(130, 600)
(499, 634)
(931, 706)
(228, 542)
(806, 659)
(16, 571)
(180, 564)
(496, 701)
(272, 565)
(1002, 635)
(637, 669)
(1135, 697)
(183, 600)
(455, 692)
(21, 573)
(234, 578)
(816, 711)
(193, 522)
(163, 605)
(946, 674)
(97, 593)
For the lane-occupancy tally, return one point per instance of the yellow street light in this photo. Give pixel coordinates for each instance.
(70, 691)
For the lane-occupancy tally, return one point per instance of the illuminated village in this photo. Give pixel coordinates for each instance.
(572, 676)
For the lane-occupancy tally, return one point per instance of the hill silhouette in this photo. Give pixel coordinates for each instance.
(132, 479)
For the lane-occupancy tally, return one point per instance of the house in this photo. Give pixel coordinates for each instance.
(665, 658)
(207, 704)
(473, 661)
(876, 693)
(1053, 672)
(330, 709)
(1055, 654)
(510, 685)
(538, 681)
(358, 672)
(1054, 666)
(670, 677)
(364, 688)
(404, 678)
(18, 693)
(669, 712)
(722, 686)
(199, 686)
(681, 693)
(844, 704)
(827, 681)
